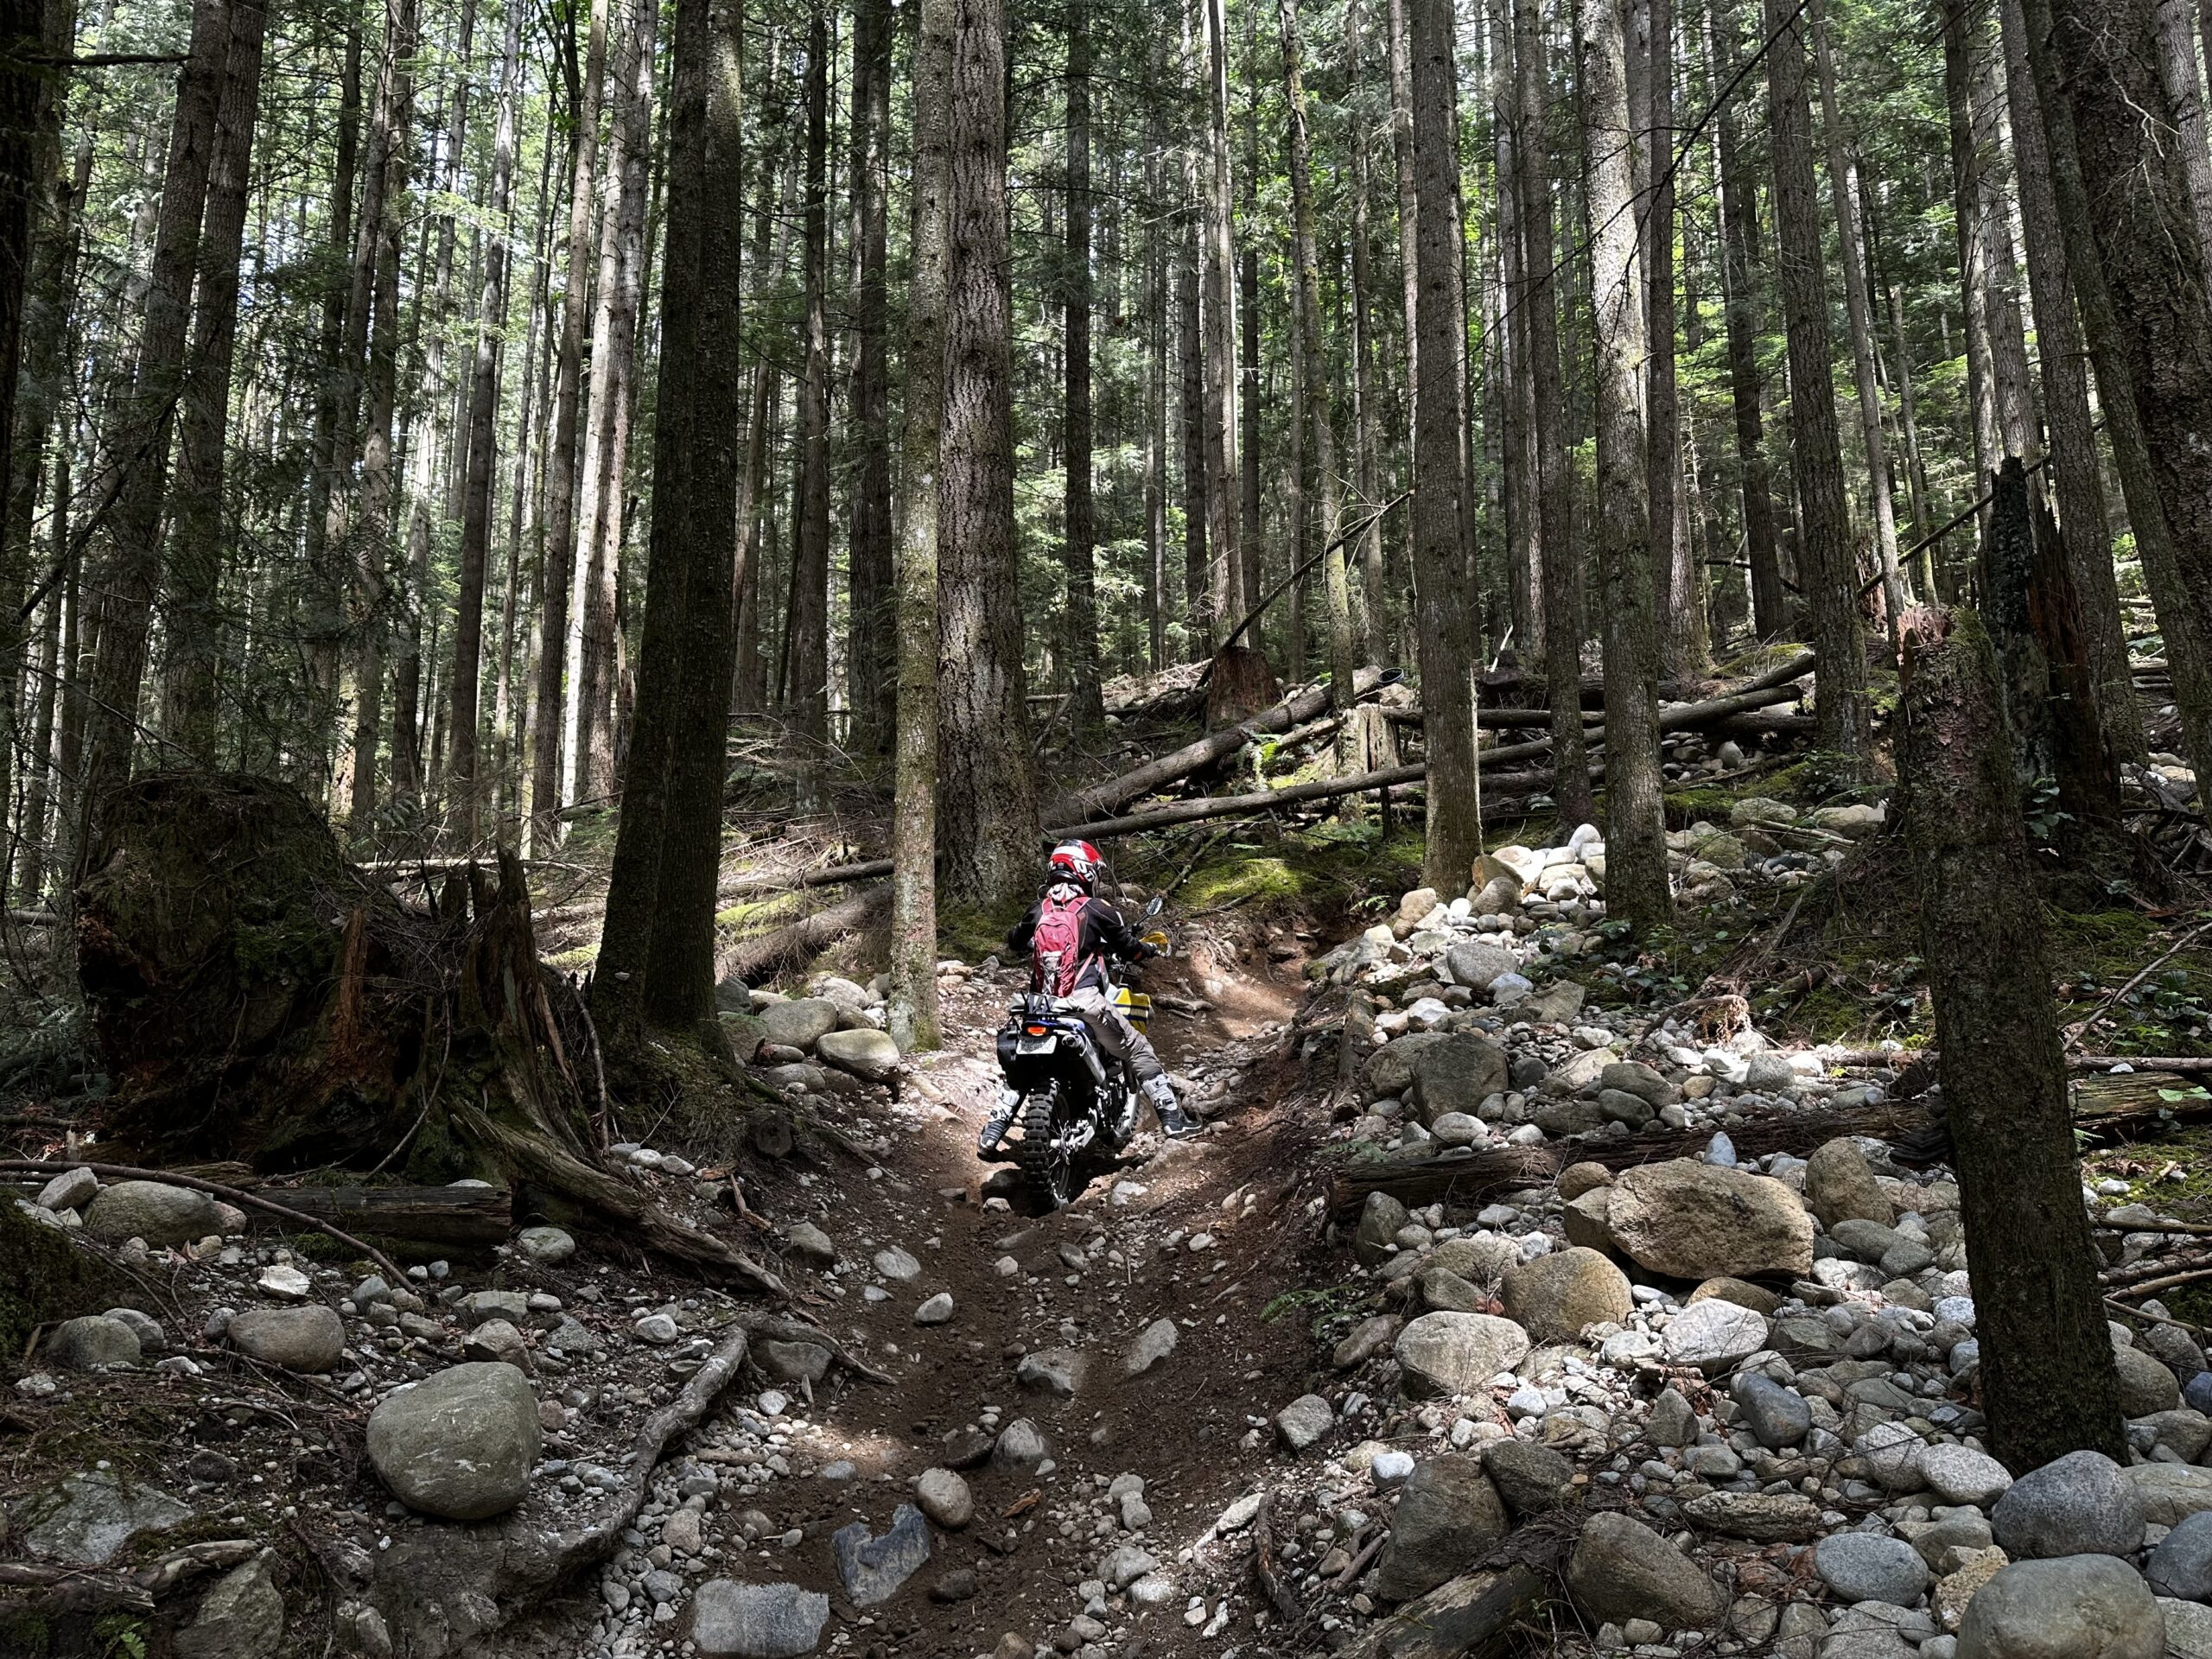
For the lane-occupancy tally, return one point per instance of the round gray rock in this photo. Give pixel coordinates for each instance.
(2182, 1564)
(1448, 1516)
(1697, 1221)
(1776, 1415)
(945, 1498)
(800, 1023)
(161, 1214)
(2082, 1504)
(92, 1339)
(1714, 1335)
(2070, 1607)
(1959, 1474)
(460, 1445)
(241, 1617)
(303, 1339)
(545, 1245)
(1868, 1566)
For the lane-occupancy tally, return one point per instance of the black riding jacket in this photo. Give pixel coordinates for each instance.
(1103, 935)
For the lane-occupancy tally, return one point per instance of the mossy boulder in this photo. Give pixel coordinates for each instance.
(44, 1276)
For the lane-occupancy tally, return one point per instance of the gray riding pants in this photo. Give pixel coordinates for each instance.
(1121, 1039)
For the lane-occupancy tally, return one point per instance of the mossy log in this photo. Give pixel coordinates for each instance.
(259, 999)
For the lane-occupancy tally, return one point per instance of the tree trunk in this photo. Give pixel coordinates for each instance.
(1956, 23)
(1675, 576)
(1563, 560)
(1635, 844)
(1825, 566)
(132, 578)
(1086, 708)
(1198, 622)
(657, 952)
(871, 665)
(2184, 91)
(1739, 229)
(913, 997)
(2008, 345)
(2084, 527)
(466, 787)
(2139, 277)
(987, 798)
(808, 622)
(557, 556)
(1858, 312)
(1225, 579)
(1336, 566)
(594, 642)
(1445, 602)
(1382, 628)
(2048, 1382)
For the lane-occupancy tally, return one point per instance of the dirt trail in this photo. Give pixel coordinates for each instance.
(1201, 1232)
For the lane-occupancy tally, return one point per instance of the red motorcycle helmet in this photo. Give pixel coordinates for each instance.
(1076, 862)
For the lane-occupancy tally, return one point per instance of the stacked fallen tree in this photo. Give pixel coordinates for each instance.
(260, 1000)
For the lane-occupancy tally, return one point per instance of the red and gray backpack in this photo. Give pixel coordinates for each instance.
(1056, 958)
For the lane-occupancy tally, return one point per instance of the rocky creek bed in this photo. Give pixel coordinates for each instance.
(1715, 1403)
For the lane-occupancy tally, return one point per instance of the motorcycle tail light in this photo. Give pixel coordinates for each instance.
(1034, 1031)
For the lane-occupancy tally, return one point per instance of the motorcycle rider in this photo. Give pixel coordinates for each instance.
(1068, 905)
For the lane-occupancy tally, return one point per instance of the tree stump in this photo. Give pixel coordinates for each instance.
(2049, 1381)
(1241, 685)
(260, 1000)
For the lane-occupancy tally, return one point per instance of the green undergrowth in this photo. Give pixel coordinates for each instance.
(1325, 870)
(2172, 1174)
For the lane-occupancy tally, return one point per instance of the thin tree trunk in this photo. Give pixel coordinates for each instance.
(1739, 224)
(988, 793)
(1225, 581)
(1086, 709)
(1538, 303)
(1444, 600)
(1381, 622)
(1155, 425)
(1199, 622)
(808, 624)
(871, 665)
(557, 557)
(1343, 661)
(912, 995)
(1636, 825)
(466, 791)
(1858, 313)
(2008, 344)
(2083, 525)
(2184, 91)
(1675, 577)
(1825, 566)
(656, 952)
(2139, 275)
(140, 451)
(1955, 20)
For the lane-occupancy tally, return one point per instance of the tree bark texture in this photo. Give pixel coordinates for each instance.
(2048, 1382)
(987, 800)
(1825, 565)
(657, 953)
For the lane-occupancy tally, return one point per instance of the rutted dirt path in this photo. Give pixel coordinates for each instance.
(1202, 1233)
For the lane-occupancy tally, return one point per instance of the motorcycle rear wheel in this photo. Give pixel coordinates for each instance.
(1047, 1168)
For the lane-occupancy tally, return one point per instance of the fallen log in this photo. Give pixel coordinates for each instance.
(1293, 710)
(1268, 800)
(464, 1217)
(755, 959)
(1679, 717)
(1916, 1132)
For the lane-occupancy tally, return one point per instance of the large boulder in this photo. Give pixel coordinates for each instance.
(1531, 1478)
(161, 1214)
(1698, 1221)
(1447, 1518)
(1391, 1068)
(868, 1053)
(1621, 1570)
(2082, 1504)
(1554, 1296)
(1458, 1353)
(1477, 963)
(800, 1023)
(1714, 1335)
(2146, 1387)
(2073, 1607)
(2171, 1493)
(1457, 1075)
(92, 1340)
(303, 1339)
(460, 1444)
(1840, 1185)
(872, 1569)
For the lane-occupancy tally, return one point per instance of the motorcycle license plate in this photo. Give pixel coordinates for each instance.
(1036, 1045)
